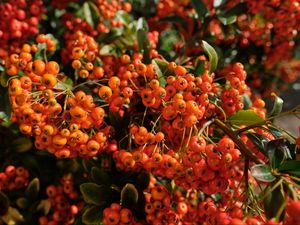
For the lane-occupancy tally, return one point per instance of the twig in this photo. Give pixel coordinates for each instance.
(236, 139)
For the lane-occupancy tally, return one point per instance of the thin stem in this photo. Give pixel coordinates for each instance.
(241, 130)
(246, 168)
(206, 124)
(236, 139)
(145, 112)
(282, 207)
(279, 182)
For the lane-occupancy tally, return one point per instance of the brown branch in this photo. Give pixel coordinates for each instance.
(237, 140)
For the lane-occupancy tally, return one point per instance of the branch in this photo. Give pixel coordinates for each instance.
(237, 140)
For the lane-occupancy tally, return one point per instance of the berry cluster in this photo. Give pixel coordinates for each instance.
(63, 208)
(115, 214)
(13, 178)
(18, 22)
(108, 21)
(269, 26)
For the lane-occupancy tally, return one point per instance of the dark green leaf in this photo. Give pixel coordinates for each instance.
(199, 68)
(87, 165)
(291, 167)
(21, 144)
(212, 54)
(40, 53)
(95, 194)
(160, 68)
(33, 189)
(5, 102)
(259, 141)
(100, 176)
(247, 101)
(246, 117)
(44, 206)
(4, 203)
(236, 10)
(114, 118)
(4, 79)
(262, 172)
(143, 180)
(93, 215)
(273, 202)
(2, 68)
(277, 107)
(200, 8)
(227, 20)
(275, 132)
(87, 14)
(175, 19)
(277, 152)
(94, 11)
(22, 203)
(129, 195)
(143, 40)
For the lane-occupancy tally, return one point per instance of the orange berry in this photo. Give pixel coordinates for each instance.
(114, 82)
(78, 112)
(76, 64)
(105, 92)
(98, 72)
(77, 53)
(84, 73)
(180, 70)
(52, 67)
(49, 80)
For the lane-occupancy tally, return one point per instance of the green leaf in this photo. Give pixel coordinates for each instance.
(2, 68)
(87, 165)
(33, 189)
(44, 206)
(142, 24)
(5, 102)
(259, 141)
(273, 202)
(247, 101)
(291, 167)
(94, 11)
(213, 56)
(246, 117)
(93, 215)
(95, 194)
(100, 176)
(22, 203)
(277, 107)
(175, 19)
(143, 40)
(160, 68)
(129, 195)
(199, 68)
(277, 152)
(87, 14)
(200, 8)
(143, 180)
(261, 172)
(4, 203)
(40, 53)
(218, 3)
(227, 20)
(4, 79)
(21, 144)
(108, 50)
(236, 10)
